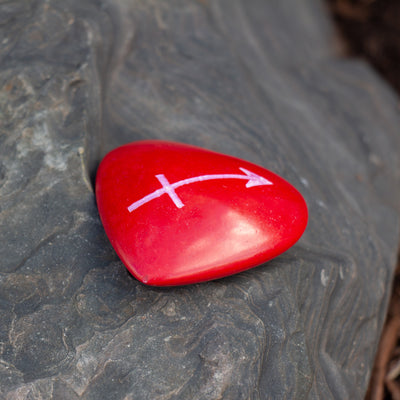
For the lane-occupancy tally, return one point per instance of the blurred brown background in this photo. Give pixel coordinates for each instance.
(371, 29)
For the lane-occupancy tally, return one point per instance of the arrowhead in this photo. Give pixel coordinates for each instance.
(254, 179)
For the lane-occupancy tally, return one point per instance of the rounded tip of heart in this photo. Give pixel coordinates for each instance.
(177, 214)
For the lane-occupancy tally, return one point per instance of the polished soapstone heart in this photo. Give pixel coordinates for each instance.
(178, 214)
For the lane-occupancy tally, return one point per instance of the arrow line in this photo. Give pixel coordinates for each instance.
(252, 178)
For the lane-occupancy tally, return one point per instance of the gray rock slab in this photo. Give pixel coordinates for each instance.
(255, 79)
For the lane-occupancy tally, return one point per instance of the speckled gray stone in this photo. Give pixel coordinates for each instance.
(254, 79)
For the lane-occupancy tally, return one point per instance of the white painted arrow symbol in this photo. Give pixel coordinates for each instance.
(169, 189)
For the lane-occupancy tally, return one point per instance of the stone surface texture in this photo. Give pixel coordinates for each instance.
(260, 80)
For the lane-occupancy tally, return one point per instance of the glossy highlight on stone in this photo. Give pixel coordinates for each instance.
(178, 214)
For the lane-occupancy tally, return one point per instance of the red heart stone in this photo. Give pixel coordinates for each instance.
(179, 214)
